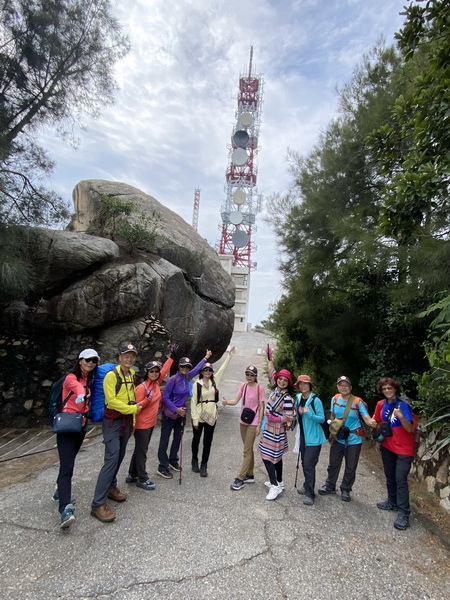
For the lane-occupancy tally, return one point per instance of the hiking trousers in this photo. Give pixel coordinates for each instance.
(208, 433)
(248, 436)
(396, 469)
(338, 452)
(168, 426)
(68, 446)
(138, 463)
(116, 433)
(309, 457)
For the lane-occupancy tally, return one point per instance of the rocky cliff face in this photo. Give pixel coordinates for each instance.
(93, 292)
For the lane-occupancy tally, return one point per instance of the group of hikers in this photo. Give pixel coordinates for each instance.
(133, 409)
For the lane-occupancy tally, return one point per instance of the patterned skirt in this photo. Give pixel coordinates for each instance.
(273, 443)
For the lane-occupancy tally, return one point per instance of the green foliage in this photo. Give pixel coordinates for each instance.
(353, 286)
(142, 235)
(412, 146)
(118, 219)
(56, 63)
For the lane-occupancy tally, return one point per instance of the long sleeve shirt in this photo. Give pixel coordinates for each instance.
(122, 399)
(149, 394)
(177, 391)
(207, 400)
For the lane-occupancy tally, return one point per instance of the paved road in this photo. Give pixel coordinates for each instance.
(200, 540)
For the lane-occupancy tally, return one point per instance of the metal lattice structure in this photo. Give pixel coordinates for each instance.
(242, 201)
(196, 209)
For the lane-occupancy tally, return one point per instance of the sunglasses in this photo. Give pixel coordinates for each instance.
(209, 370)
(93, 359)
(153, 371)
(185, 367)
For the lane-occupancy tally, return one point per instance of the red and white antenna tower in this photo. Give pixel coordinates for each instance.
(242, 201)
(196, 209)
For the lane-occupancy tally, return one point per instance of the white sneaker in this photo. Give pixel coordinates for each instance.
(274, 491)
(280, 484)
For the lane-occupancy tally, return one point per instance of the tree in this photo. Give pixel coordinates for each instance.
(412, 146)
(56, 63)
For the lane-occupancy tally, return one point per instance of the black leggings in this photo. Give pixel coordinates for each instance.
(208, 433)
(275, 471)
(68, 446)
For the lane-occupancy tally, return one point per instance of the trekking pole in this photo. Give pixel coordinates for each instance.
(296, 470)
(181, 450)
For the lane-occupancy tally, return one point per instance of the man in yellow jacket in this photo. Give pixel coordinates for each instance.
(120, 408)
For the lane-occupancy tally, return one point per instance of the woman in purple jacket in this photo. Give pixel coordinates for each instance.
(174, 400)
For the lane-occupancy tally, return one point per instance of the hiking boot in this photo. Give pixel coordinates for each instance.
(145, 485)
(195, 468)
(249, 479)
(67, 517)
(130, 479)
(274, 492)
(308, 500)
(176, 467)
(55, 496)
(237, 484)
(402, 521)
(387, 505)
(280, 484)
(301, 491)
(345, 496)
(324, 491)
(165, 473)
(116, 495)
(103, 513)
(203, 471)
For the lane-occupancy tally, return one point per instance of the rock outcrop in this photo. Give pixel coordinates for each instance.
(93, 292)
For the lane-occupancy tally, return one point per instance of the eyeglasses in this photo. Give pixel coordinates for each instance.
(207, 370)
(93, 359)
(153, 371)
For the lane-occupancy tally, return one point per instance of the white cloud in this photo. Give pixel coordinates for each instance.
(168, 131)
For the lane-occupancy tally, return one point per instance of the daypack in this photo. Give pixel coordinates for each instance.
(97, 393)
(324, 425)
(55, 400)
(367, 429)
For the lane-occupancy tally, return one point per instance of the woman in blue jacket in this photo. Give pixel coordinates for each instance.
(309, 434)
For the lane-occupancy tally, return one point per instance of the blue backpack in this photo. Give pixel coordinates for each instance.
(97, 394)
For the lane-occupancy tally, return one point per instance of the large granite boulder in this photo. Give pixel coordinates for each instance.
(90, 291)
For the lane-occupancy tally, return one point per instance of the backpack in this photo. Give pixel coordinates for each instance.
(367, 430)
(324, 425)
(55, 400)
(97, 394)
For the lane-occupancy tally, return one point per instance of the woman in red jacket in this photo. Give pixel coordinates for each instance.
(76, 395)
(148, 393)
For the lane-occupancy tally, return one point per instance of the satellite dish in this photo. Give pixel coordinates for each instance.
(246, 119)
(240, 138)
(239, 197)
(236, 217)
(239, 157)
(239, 238)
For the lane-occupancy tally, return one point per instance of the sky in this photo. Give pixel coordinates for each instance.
(169, 129)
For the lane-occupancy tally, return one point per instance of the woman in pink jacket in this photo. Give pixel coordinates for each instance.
(76, 395)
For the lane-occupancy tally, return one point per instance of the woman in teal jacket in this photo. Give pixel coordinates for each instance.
(309, 434)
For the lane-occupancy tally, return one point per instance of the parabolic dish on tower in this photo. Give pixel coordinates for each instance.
(239, 197)
(236, 217)
(240, 138)
(246, 119)
(239, 157)
(240, 238)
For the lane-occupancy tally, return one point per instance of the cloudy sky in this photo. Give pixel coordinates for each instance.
(169, 129)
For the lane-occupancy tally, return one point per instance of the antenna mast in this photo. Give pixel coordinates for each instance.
(196, 209)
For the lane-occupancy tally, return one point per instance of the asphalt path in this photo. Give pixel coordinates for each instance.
(201, 540)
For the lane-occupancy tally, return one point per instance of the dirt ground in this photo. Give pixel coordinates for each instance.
(426, 505)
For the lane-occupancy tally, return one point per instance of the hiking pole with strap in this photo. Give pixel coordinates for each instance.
(296, 468)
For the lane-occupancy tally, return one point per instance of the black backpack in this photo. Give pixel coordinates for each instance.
(324, 425)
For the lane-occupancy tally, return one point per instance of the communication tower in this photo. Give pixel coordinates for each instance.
(196, 209)
(242, 201)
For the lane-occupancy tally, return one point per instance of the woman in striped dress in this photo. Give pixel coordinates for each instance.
(273, 444)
